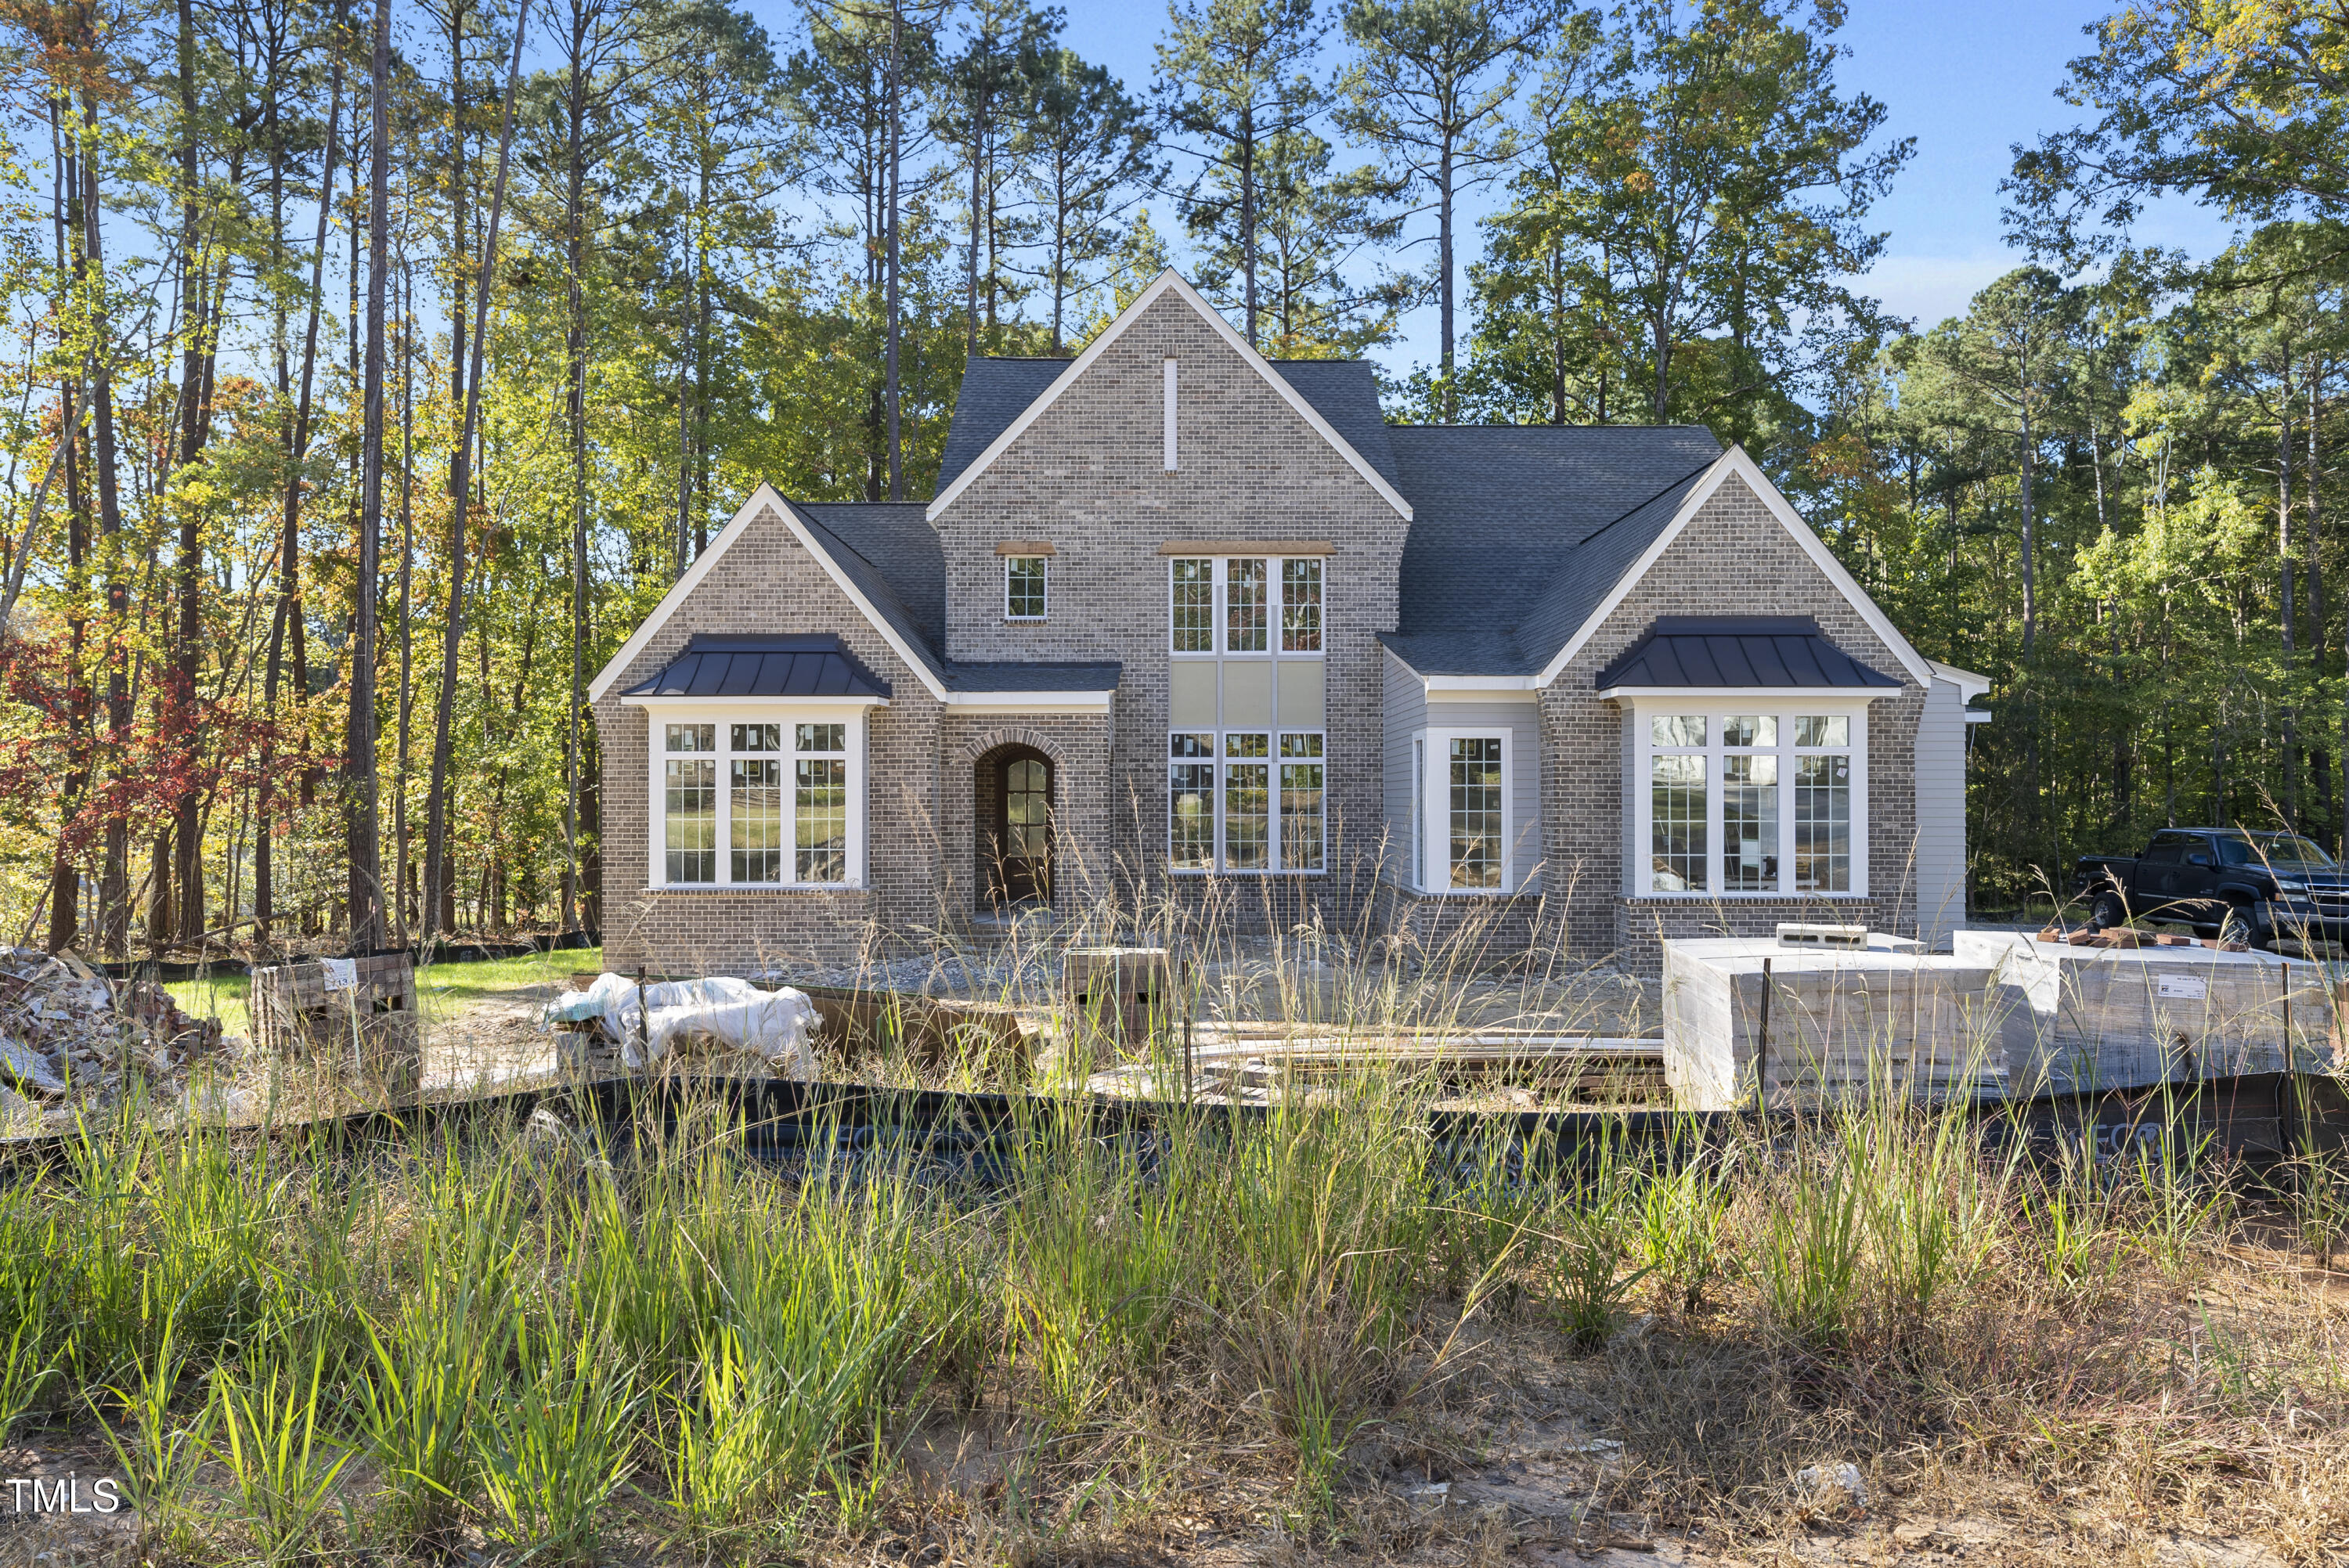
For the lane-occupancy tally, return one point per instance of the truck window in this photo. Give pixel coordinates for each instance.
(2166, 850)
(2291, 850)
(2235, 849)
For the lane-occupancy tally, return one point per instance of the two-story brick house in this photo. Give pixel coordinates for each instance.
(1180, 617)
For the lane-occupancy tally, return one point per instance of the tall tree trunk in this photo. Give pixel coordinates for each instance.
(363, 830)
(404, 882)
(114, 900)
(65, 874)
(1443, 260)
(438, 881)
(195, 418)
(2030, 541)
(286, 627)
(575, 262)
(897, 150)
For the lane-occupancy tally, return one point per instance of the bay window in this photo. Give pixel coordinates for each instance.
(1224, 812)
(760, 801)
(1726, 787)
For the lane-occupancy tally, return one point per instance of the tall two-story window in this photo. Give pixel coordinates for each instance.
(1025, 581)
(758, 803)
(1231, 604)
(1727, 789)
(1248, 798)
(1244, 800)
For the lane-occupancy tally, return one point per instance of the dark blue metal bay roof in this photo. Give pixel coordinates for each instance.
(754, 666)
(1731, 652)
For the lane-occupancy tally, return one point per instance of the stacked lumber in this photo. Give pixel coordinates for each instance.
(2124, 1017)
(1800, 1026)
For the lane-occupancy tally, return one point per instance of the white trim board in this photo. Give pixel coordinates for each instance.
(1735, 461)
(1166, 281)
(1970, 685)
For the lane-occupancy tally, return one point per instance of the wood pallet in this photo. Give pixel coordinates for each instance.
(368, 1029)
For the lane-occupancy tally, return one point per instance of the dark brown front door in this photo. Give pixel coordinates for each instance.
(1023, 830)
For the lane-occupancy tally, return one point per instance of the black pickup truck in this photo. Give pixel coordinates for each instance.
(2223, 881)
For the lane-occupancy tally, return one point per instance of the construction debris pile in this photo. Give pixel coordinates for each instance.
(68, 1031)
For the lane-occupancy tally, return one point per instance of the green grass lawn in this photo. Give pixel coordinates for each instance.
(441, 988)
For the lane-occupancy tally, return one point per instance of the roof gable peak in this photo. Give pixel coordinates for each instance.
(1171, 281)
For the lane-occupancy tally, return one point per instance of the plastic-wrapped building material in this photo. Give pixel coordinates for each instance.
(1797, 1025)
(2123, 1017)
(650, 1022)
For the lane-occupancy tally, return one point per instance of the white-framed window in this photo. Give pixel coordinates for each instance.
(1461, 801)
(1245, 801)
(1026, 581)
(758, 795)
(1749, 798)
(1243, 605)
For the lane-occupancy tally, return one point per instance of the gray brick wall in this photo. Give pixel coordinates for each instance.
(1733, 558)
(769, 582)
(1089, 477)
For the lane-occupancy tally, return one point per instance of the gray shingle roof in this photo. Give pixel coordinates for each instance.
(1519, 532)
(1737, 651)
(715, 666)
(891, 553)
(994, 393)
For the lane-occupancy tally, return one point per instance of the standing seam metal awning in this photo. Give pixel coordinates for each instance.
(1733, 652)
(776, 666)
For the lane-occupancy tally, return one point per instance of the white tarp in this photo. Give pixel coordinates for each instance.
(735, 1013)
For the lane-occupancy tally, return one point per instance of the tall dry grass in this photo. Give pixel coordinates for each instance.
(549, 1341)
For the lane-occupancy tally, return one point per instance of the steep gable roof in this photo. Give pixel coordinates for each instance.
(1168, 281)
(887, 559)
(1519, 529)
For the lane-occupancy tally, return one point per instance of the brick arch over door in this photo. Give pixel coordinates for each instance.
(978, 761)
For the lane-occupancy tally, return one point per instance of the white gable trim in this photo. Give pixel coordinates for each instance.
(764, 496)
(1165, 281)
(1734, 461)
(761, 499)
(1970, 685)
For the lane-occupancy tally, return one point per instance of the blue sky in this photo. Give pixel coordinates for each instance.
(1966, 77)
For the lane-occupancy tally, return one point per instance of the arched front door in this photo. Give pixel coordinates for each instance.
(1020, 868)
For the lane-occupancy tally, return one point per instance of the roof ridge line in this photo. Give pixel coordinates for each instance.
(1650, 501)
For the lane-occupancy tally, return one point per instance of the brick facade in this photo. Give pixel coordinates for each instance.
(768, 581)
(1088, 476)
(1733, 558)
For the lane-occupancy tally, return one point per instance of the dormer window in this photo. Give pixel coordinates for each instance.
(1026, 580)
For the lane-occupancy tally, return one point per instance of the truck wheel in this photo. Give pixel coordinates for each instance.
(2239, 927)
(2108, 912)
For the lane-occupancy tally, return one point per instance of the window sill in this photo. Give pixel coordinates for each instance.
(1860, 896)
(1026, 620)
(1202, 876)
(699, 889)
